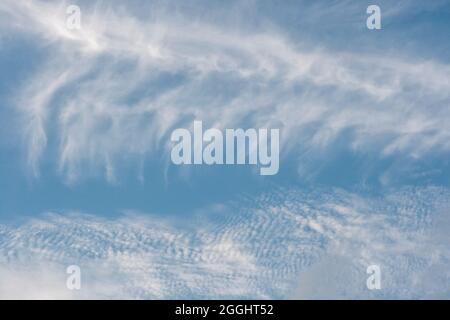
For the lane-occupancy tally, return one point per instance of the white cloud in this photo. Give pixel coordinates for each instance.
(288, 243)
(122, 83)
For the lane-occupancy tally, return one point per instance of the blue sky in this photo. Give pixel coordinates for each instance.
(86, 177)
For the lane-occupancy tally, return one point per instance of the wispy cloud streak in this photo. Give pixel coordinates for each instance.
(121, 83)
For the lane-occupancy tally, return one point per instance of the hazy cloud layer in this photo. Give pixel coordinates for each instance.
(287, 244)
